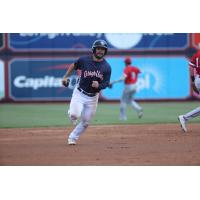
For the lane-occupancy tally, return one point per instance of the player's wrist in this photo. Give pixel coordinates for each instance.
(65, 77)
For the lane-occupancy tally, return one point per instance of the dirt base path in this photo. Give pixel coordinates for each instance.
(102, 145)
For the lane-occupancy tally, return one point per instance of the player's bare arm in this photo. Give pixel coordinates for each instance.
(65, 80)
(122, 78)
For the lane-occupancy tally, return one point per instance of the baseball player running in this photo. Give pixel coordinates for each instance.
(130, 78)
(194, 64)
(95, 76)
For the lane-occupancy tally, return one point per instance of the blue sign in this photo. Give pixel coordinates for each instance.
(1, 40)
(84, 41)
(2, 80)
(160, 78)
(39, 79)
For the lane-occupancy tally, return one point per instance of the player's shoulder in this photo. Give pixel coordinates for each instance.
(130, 68)
(197, 54)
(107, 65)
(82, 60)
(135, 67)
(85, 58)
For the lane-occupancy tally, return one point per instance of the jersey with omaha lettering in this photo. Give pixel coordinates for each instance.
(131, 74)
(195, 62)
(93, 71)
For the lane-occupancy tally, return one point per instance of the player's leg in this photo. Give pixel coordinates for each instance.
(192, 114)
(89, 110)
(183, 119)
(133, 103)
(88, 113)
(137, 108)
(123, 111)
(75, 108)
(123, 104)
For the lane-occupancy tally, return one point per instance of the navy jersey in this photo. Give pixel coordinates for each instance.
(93, 71)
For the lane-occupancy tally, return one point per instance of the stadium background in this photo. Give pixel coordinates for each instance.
(32, 65)
(33, 103)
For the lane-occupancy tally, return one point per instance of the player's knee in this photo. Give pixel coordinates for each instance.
(123, 105)
(73, 117)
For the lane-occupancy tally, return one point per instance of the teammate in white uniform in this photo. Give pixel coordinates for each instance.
(130, 77)
(195, 77)
(95, 76)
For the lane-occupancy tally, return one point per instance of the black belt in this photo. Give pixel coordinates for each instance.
(86, 93)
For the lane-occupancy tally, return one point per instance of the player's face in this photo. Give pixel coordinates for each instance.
(100, 52)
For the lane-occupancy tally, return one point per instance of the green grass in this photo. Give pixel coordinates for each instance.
(50, 115)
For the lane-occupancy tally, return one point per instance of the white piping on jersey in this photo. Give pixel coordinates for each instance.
(196, 65)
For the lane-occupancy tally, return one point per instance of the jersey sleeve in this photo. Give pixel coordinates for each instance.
(136, 70)
(77, 64)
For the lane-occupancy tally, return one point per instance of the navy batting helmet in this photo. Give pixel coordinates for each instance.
(100, 43)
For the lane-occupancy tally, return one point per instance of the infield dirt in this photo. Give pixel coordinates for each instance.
(123, 145)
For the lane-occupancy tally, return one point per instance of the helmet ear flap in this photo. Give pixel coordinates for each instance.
(106, 50)
(93, 50)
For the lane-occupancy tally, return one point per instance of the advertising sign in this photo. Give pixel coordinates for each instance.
(2, 80)
(84, 41)
(160, 78)
(39, 79)
(1, 41)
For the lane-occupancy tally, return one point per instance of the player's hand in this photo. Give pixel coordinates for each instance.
(110, 85)
(194, 88)
(65, 82)
(95, 84)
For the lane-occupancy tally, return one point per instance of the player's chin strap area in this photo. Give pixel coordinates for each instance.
(86, 93)
(98, 57)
